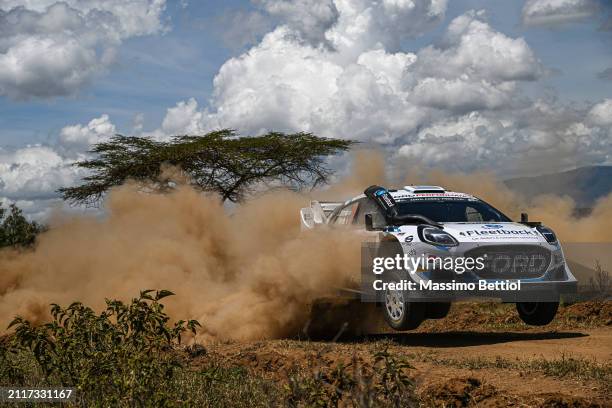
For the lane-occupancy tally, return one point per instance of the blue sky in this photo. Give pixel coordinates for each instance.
(485, 81)
(154, 72)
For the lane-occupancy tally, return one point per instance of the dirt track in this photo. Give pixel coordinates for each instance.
(592, 344)
(484, 359)
(504, 363)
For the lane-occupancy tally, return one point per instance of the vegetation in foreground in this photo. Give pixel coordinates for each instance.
(129, 355)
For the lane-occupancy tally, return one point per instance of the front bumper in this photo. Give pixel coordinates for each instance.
(546, 284)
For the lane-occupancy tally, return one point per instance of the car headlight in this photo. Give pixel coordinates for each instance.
(548, 234)
(437, 236)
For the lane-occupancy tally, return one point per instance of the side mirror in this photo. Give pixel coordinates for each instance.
(525, 220)
(374, 222)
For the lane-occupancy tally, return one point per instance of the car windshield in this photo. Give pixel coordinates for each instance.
(452, 210)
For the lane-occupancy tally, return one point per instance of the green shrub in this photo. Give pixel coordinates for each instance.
(387, 384)
(15, 229)
(123, 356)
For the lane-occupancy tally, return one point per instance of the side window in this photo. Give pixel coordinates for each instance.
(347, 214)
(472, 214)
(366, 206)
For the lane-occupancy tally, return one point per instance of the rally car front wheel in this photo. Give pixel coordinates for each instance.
(400, 314)
(537, 313)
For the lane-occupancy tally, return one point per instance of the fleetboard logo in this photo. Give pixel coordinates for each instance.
(499, 233)
(492, 226)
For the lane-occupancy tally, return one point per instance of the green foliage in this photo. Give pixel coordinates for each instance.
(130, 356)
(218, 161)
(9, 364)
(120, 357)
(217, 386)
(387, 384)
(15, 229)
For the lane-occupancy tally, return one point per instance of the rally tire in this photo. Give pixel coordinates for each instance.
(400, 314)
(537, 313)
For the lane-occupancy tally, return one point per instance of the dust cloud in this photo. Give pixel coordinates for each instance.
(248, 273)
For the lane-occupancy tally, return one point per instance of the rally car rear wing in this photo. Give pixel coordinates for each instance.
(317, 213)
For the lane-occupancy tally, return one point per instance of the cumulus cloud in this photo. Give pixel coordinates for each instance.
(309, 18)
(34, 172)
(543, 137)
(82, 136)
(455, 104)
(601, 114)
(336, 69)
(240, 28)
(52, 48)
(370, 94)
(351, 24)
(472, 47)
(550, 13)
(31, 175)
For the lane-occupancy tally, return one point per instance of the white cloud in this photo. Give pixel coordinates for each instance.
(309, 18)
(356, 25)
(31, 175)
(53, 48)
(472, 47)
(601, 114)
(462, 94)
(456, 104)
(183, 119)
(363, 25)
(369, 94)
(82, 136)
(34, 172)
(540, 138)
(548, 13)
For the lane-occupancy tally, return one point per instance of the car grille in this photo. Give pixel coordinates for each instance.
(511, 261)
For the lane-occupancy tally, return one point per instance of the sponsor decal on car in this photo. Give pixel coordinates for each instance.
(499, 232)
(492, 226)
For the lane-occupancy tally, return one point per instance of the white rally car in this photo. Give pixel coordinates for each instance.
(430, 222)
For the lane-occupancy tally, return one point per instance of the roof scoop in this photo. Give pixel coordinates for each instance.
(424, 189)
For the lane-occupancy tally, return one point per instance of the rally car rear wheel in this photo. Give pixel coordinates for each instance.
(537, 313)
(400, 314)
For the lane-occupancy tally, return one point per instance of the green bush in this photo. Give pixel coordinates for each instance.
(387, 384)
(123, 356)
(15, 229)
(129, 355)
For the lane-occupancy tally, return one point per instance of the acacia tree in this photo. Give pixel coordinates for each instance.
(218, 161)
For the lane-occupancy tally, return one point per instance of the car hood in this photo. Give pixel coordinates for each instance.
(493, 232)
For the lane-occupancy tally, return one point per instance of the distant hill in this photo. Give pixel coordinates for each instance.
(585, 184)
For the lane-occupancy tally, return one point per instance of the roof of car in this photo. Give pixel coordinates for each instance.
(422, 193)
(425, 192)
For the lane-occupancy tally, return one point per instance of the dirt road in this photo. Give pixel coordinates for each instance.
(479, 356)
(593, 344)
